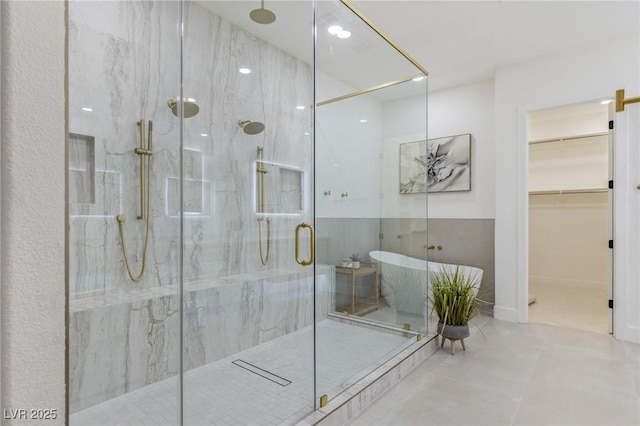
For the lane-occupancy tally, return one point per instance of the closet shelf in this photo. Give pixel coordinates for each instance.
(568, 138)
(569, 191)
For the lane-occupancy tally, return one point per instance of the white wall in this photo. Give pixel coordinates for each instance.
(572, 164)
(33, 214)
(564, 161)
(574, 120)
(346, 156)
(593, 72)
(568, 237)
(465, 109)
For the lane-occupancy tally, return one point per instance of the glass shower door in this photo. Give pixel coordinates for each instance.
(370, 100)
(248, 334)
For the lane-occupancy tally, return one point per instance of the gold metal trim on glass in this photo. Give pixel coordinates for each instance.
(324, 400)
(312, 250)
(393, 44)
(367, 90)
(621, 101)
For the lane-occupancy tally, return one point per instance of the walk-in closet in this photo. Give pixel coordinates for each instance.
(569, 264)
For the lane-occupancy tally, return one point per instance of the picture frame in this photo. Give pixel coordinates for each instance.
(436, 165)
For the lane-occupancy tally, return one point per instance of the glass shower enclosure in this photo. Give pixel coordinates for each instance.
(227, 160)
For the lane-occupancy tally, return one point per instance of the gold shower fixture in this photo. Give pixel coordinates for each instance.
(260, 172)
(144, 151)
(262, 15)
(251, 127)
(189, 107)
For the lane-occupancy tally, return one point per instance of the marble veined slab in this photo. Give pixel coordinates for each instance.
(123, 341)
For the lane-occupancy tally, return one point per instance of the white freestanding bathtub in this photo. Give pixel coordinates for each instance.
(405, 279)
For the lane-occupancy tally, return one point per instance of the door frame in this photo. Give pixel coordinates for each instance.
(523, 210)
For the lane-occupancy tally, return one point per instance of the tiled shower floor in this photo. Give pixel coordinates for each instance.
(225, 393)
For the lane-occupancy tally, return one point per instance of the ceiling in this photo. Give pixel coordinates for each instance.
(465, 41)
(458, 42)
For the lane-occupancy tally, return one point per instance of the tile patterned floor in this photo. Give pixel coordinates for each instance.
(387, 315)
(226, 394)
(519, 374)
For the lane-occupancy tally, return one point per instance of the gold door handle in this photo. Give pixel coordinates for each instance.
(312, 250)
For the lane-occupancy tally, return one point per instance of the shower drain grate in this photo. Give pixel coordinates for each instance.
(261, 372)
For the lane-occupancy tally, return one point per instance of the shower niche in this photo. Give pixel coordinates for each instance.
(82, 169)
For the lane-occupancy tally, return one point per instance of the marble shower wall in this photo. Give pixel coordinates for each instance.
(124, 65)
(122, 344)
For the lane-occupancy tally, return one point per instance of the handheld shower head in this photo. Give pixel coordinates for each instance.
(189, 109)
(251, 127)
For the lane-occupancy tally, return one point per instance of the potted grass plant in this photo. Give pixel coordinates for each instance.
(454, 299)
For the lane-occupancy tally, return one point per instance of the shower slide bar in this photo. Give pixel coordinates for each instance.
(144, 151)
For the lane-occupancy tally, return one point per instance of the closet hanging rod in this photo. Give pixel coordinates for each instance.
(569, 138)
(569, 191)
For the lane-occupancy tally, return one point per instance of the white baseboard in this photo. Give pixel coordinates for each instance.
(628, 333)
(505, 314)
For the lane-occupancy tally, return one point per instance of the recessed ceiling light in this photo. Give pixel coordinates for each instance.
(244, 71)
(203, 134)
(334, 29)
(87, 109)
(608, 101)
(419, 78)
(307, 133)
(190, 100)
(364, 120)
(344, 34)
(300, 107)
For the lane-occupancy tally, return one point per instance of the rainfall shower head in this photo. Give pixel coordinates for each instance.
(251, 127)
(189, 108)
(262, 15)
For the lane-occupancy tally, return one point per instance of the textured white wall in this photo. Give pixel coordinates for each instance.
(33, 213)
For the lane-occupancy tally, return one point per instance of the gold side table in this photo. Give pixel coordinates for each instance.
(360, 306)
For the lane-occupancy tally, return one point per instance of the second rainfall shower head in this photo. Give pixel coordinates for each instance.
(262, 15)
(251, 127)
